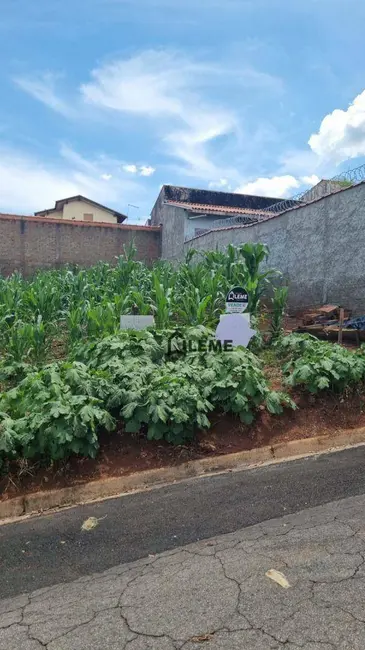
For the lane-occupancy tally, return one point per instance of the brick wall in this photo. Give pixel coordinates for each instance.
(29, 243)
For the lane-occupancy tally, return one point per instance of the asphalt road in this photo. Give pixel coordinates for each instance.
(46, 550)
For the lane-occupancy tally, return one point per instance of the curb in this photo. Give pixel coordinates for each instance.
(117, 486)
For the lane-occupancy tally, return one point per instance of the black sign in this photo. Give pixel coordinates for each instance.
(237, 294)
(236, 300)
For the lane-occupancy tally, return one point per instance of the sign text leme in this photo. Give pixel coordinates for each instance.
(236, 300)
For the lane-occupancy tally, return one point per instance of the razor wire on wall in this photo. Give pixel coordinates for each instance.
(324, 188)
(238, 220)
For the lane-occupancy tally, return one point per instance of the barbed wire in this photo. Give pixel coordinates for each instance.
(238, 220)
(355, 175)
(344, 179)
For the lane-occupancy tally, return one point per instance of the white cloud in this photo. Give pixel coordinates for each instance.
(221, 184)
(300, 162)
(130, 169)
(250, 78)
(310, 180)
(141, 170)
(163, 86)
(146, 170)
(154, 82)
(176, 97)
(106, 177)
(341, 134)
(277, 186)
(28, 184)
(43, 89)
(143, 84)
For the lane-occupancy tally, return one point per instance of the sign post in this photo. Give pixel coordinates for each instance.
(234, 325)
(340, 328)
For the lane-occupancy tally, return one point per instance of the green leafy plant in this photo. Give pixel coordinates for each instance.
(87, 303)
(238, 385)
(294, 346)
(278, 303)
(169, 405)
(55, 410)
(323, 366)
(126, 344)
(161, 301)
(54, 413)
(27, 341)
(257, 281)
(12, 372)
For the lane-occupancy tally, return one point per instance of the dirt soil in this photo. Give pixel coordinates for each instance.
(122, 453)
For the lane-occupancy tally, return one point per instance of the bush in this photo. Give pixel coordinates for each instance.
(319, 365)
(54, 413)
(173, 399)
(123, 345)
(11, 372)
(238, 384)
(170, 404)
(14, 438)
(294, 346)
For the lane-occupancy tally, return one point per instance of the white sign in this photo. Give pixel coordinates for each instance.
(132, 322)
(236, 300)
(235, 328)
(246, 316)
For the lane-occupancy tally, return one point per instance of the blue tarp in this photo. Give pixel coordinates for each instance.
(355, 323)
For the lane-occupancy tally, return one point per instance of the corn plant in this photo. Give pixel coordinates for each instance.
(161, 301)
(74, 322)
(27, 341)
(86, 303)
(278, 304)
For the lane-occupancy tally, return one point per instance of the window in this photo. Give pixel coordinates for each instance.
(88, 217)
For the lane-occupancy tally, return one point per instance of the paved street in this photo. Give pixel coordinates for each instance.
(42, 551)
(214, 594)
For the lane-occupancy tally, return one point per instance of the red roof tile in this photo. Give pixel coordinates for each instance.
(273, 215)
(69, 222)
(200, 208)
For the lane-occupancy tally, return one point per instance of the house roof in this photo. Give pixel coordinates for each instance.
(215, 198)
(75, 224)
(61, 202)
(275, 215)
(202, 208)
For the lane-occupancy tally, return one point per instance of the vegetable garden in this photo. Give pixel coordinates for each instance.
(67, 372)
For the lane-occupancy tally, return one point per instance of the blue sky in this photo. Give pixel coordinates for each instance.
(113, 98)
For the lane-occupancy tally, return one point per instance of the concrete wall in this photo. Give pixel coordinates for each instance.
(319, 247)
(176, 221)
(323, 188)
(173, 222)
(29, 243)
(176, 227)
(191, 225)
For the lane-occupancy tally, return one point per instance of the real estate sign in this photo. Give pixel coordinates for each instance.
(132, 322)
